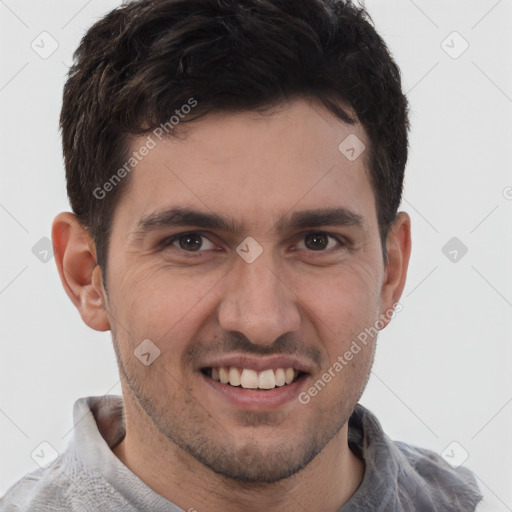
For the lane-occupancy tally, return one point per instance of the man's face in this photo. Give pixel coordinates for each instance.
(180, 282)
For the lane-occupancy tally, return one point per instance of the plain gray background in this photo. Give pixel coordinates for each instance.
(442, 372)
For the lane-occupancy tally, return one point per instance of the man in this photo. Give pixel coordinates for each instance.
(235, 169)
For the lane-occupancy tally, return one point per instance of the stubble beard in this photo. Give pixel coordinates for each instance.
(193, 430)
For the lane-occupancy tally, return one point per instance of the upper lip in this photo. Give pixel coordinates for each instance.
(260, 363)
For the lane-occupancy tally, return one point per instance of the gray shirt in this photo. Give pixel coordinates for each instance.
(87, 476)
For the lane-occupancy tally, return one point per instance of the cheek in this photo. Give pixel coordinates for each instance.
(342, 303)
(160, 303)
(343, 311)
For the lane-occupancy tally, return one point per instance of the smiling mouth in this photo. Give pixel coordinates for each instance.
(246, 378)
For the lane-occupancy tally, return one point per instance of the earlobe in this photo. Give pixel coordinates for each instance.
(79, 272)
(398, 245)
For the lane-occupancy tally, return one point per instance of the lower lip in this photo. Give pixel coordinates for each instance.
(258, 400)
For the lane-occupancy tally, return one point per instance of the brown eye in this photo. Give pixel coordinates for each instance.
(190, 242)
(316, 241)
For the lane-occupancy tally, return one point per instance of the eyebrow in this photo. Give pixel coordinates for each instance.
(175, 217)
(320, 217)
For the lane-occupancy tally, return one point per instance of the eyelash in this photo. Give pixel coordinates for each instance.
(342, 243)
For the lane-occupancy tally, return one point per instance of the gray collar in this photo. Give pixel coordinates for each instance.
(399, 477)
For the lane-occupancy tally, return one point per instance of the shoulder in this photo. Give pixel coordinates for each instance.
(400, 476)
(43, 490)
(454, 485)
(61, 487)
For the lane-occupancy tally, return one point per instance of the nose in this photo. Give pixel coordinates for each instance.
(258, 302)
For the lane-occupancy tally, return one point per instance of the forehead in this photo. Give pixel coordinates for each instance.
(253, 165)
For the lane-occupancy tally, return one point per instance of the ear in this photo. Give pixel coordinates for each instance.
(398, 245)
(75, 256)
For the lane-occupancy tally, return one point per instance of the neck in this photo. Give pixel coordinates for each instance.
(326, 483)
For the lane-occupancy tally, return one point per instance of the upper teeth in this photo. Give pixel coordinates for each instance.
(251, 379)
